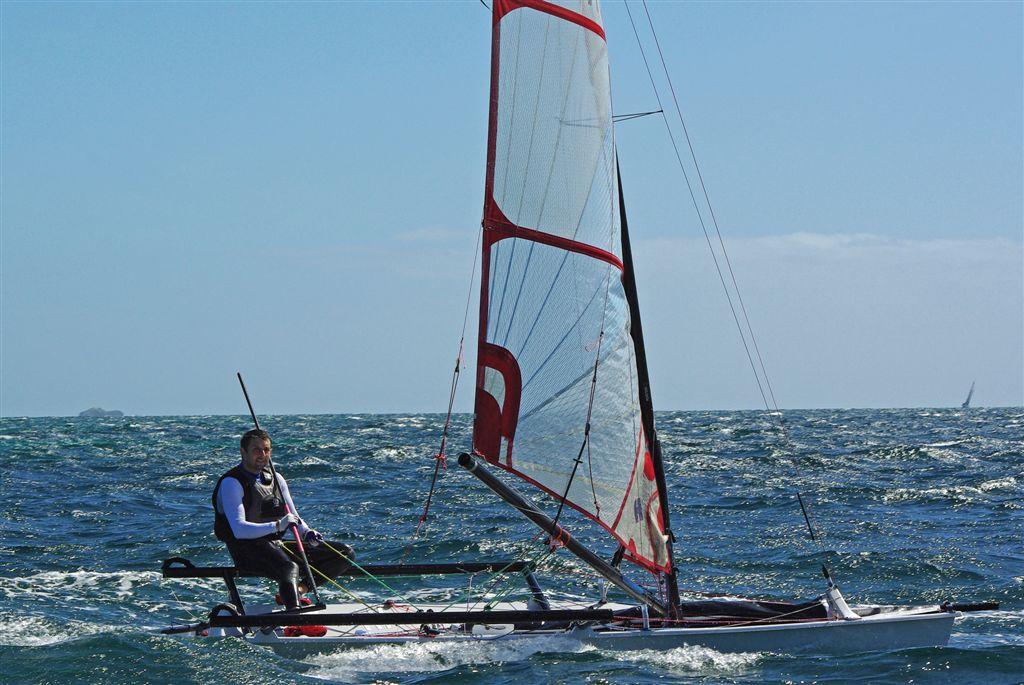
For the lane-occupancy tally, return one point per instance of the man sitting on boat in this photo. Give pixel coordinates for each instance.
(251, 516)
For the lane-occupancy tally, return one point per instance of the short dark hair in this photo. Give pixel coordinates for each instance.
(254, 434)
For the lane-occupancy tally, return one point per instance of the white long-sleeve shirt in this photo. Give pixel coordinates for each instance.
(229, 503)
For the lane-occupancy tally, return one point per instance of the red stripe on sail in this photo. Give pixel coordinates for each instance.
(492, 116)
(487, 419)
(498, 227)
(503, 7)
(493, 422)
(501, 231)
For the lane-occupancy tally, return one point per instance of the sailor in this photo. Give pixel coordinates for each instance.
(251, 517)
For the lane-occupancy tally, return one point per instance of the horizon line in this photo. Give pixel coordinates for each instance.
(464, 413)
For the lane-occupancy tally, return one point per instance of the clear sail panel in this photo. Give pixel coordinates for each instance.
(554, 158)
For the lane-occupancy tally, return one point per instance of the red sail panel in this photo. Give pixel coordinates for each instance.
(552, 279)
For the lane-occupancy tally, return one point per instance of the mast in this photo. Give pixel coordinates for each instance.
(646, 403)
(277, 489)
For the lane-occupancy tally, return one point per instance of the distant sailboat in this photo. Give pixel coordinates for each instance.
(970, 394)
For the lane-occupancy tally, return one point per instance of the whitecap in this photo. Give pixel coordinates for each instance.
(118, 584)
(958, 493)
(690, 659)
(948, 443)
(33, 631)
(187, 478)
(1009, 483)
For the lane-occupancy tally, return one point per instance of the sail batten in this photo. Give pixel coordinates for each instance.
(553, 302)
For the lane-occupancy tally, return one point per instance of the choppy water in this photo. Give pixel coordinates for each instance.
(920, 505)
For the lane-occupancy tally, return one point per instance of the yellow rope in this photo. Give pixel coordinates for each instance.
(368, 574)
(505, 588)
(334, 582)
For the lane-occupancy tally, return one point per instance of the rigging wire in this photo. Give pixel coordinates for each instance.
(440, 459)
(185, 606)
(696, 206)
(590, 409)
(711, 209)
(507, 587)
(616, 118)
(334, 581)
(769, 405)
(585, 445)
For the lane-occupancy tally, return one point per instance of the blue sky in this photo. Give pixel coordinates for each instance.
(294, 190)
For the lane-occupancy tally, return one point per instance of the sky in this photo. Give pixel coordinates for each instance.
(294, 190)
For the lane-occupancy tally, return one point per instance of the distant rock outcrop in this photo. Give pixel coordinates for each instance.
(100, 413)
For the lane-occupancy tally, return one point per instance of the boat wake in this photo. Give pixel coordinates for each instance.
(1002, 628)
(19, 630)
(352, 665)
(117, 585)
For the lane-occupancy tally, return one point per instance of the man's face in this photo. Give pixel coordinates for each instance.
(256, 458)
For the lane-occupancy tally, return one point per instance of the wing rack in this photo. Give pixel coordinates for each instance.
(276, 619)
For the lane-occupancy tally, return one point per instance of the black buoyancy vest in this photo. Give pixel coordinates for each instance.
(259, 499)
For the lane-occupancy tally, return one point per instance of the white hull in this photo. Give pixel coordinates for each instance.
(891, 630)
(873, 633)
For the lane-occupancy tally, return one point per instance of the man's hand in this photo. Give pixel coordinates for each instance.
(313, 538)
(286, 522)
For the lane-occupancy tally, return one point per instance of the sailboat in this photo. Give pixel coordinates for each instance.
(970, 393)
(563, 400)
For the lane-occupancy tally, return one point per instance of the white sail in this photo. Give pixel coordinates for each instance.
(970, 394)
(553, 303)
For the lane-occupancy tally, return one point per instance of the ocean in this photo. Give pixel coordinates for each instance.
(915, 505)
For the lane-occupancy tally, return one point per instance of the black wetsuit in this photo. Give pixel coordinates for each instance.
(268, 555)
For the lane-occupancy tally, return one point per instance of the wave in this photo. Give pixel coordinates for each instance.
(957, 493)
(691, 660)
(113, 584)
(34, 631)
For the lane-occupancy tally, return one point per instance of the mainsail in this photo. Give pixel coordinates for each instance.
(558, 388)
(970, 393)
